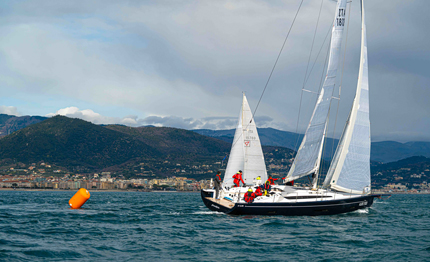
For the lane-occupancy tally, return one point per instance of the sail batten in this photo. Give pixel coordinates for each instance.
(309, 153)
(350, 168)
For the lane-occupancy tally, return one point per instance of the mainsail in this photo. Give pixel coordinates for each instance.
(308, 156)
(350, 168)
(246, 153)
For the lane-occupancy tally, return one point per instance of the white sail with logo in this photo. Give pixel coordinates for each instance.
(308, 156)
(246, 153)
(350, 168)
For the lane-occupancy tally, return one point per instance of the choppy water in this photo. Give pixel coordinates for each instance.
(129, 226)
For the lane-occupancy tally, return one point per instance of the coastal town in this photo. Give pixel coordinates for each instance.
(44, 176)
(34, 177)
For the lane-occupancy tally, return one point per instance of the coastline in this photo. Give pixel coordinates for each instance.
(167, 191)
(94, 190)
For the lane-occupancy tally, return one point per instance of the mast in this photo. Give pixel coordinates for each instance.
(350, 169)
(307, 160)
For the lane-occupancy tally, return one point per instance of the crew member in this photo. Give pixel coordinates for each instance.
(218, 175)
(267, 187)
(217, 183)
(257, 181)
(272, 180)
(238, 178)
(258, 192)
(249, 196)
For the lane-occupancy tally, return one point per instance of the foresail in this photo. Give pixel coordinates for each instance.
(309, 154)
(350, 168)
(246, 153)
(254, 164)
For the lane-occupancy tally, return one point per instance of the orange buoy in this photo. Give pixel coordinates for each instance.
(79, 198)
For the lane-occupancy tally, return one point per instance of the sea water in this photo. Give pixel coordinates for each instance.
(141, 226)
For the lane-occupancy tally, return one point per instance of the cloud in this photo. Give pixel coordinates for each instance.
(9, 110)
(95, 118)
(184, 64)
(215, 123)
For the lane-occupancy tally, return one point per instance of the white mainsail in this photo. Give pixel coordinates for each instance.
(350, 168)
(308, 156)
(246, 153)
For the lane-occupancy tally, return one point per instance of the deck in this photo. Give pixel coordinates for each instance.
(222, 202)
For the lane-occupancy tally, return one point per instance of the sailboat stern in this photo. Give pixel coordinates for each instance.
(219, 205)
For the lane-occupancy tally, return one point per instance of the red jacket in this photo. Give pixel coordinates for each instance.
(238, 177)
(249, 197)
(272, 180)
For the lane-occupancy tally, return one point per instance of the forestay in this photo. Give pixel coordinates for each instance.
(308, 156)
(350, 168)
(246, 153)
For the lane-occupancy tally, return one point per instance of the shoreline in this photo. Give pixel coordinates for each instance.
(94, 190)
(167, 191)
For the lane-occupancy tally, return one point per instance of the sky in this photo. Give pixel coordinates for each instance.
(185, 64)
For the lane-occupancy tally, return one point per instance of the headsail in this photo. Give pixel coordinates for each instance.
(350, 168)
(246, 153)
(308, 156)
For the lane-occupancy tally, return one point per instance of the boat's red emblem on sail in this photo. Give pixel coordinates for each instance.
(247, 143)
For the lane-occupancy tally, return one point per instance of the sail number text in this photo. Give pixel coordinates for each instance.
(340, 20)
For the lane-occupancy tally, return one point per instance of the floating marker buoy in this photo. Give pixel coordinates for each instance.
(79, 198)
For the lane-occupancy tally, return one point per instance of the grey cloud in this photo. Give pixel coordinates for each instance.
(190, 61)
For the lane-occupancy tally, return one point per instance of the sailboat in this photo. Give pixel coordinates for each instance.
(347, 186)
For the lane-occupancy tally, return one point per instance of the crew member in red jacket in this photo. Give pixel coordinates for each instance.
(258, 192)
(217, 184)
(237, 178)
(218, 175)
(272, 180)
(249, 196)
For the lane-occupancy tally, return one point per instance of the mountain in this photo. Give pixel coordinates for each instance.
(174, 141)
(10, 124)
(78, 144)
(387, 151)
(72, 142)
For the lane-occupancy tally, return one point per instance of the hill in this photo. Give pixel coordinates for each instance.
(73, 142)
(414, 172)
(385, 151)
(173, 141)
(389, 151)
(78, 145)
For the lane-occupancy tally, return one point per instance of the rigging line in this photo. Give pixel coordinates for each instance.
(273, 69)
(301, 95)
(277, 59)
(307, 67)
(341, 77)
(312, 46)
(315, 61)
